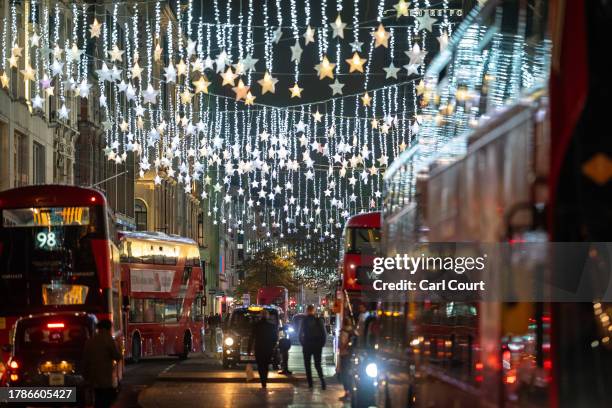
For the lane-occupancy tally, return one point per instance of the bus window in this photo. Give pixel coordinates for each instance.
(170, 312)
(186, 275)
(136, 311)
(364, 241)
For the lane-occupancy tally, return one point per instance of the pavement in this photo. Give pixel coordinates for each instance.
(202, 381)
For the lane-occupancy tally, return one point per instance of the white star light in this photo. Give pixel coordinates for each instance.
(391, 71)
(296, 52)
(37, 102)
(425, 21)
(336, 87)
(63, 112)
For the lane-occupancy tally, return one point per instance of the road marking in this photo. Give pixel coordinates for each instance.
(165, 370)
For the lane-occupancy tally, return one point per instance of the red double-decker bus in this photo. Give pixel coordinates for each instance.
(163, 286)
(56, 256)
(275, 296)
(361, 243)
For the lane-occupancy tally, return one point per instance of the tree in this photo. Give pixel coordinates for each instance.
(267, 268)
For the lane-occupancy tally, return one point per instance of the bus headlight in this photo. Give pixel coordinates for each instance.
(372, 370)
(291, 329)
(229, 341)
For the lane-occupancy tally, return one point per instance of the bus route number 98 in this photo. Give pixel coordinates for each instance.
(46, 239)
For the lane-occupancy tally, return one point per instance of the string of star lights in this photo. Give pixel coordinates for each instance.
(280, 117)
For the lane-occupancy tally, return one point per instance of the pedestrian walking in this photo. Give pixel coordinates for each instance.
(100, 354)
(263, 337)
(312, 338)
(344, 345)
(284, 345)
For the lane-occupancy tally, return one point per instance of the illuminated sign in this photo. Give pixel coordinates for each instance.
(45, 217)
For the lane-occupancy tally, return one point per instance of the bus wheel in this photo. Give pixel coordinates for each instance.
(186, 346)
(136, 349)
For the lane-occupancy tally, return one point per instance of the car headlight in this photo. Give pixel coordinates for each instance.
(291, 329)
(229, 341)
(372, 370)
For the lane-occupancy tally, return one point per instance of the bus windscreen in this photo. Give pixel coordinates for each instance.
(46, 257)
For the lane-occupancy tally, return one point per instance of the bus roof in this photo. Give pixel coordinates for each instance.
(155, 237)
(50, 195)
(366, 220)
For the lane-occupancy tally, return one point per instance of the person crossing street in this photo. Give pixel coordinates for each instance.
(312, 338)
(263, 340)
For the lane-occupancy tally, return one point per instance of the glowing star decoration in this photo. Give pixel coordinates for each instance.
(229, 78)
(356, 46)
(136, 71)
(157, 53)
(28, 73)
(309, 35)
(37, 102)
(412, 69)
(296, 91)
(16, 51)
(381, 37)
(336, 87)
(150, 95)
(278, 33)
(170, 73)
(420, 88)
(249, 62)
(13, 61)
(425, 21)
(443, 40)
(338, 27)
(221, 61)
(57, 52)
(296, 52)
(95, 29)
(317, 116)
(366, 99)
(268, 83)
(74, 54)
(115, 54)
(356, 63)
(191, 48)
(35, 40)
(4, 79)
(325, 69)
(417, 57)
(401, 8)
(391, 71)
(241, 90)
(84, 88)
(63, 112)
(249, 99)
(201, 85)
(186, 96)
(181, 68)
(197, 65)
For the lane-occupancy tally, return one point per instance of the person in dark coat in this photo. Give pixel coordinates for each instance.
(99, 357)
(264, 337)
(284, 345)
(312, 338)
